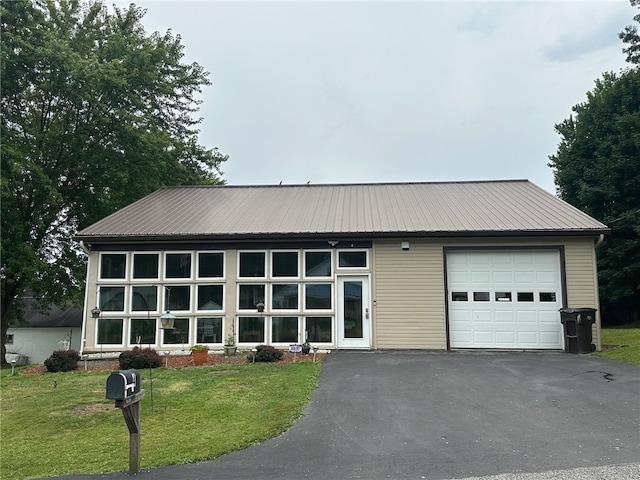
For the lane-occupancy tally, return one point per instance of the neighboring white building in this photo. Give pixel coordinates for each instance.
(43, 333)
(454, 265)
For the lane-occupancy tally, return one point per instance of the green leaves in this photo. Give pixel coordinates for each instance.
(597, 169)
(96, 114)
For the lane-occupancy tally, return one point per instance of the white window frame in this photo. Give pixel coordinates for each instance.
(165, 295)
(353, 250)
(265, 330)
(189, 339)
(127, 267)
(313, 312)
(140, 312)
(266, 265)
(210, 279)
(283, 279)
(125, 299)
(197, 297)
(254, 309)
(129, 320)
(332, 262)
(195, 329)
(298, 316)
(122, 337)
(284, 310)
(145, 280)
(178, 279)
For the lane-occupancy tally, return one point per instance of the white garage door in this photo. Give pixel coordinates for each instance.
(504, 299)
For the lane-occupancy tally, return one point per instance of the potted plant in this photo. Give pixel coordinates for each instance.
(306, 347)
(199, 353)
(230, 345)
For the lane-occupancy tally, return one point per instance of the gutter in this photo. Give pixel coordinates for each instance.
(83, 337)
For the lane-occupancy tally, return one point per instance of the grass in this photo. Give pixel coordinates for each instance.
(198, 414)
(621, 343)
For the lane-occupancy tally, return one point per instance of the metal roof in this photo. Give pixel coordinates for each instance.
(376, 209)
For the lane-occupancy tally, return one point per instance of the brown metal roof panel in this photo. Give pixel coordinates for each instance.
(372, 208)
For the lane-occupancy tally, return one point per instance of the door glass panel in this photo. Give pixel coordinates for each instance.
(352, 308)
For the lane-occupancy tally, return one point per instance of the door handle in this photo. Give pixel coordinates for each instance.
(366, 313)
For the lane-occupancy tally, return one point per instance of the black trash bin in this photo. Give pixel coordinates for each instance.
(577, 324)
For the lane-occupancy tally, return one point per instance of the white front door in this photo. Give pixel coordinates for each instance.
(354, 312)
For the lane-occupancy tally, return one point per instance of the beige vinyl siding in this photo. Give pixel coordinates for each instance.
(409, 295)
(409, 286)
(582, 280)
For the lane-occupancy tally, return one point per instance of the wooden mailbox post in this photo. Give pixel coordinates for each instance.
(124, 388)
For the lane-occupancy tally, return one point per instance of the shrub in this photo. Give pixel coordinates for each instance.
(62, 361)
(265, 353)
(139, 358)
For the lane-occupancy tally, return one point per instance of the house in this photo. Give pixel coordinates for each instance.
(455, 265)
(36, 338)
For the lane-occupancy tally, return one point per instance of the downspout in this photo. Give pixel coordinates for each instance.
(83, 338)
(600, 240)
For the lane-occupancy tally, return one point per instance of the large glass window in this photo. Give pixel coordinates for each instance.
(318, 329)
(284, 329)
(145, 265)
(113, 265)
(177, 297)
(144, 298)
(177, 265)
(110, 331)
(251, 329)
(317, 296)
(209, 330)
(179, 334)
(142, 331)
(250, 295)
(211, 265)
(317, 264)
(210, 297)
(252, 264)
(284, 264)
(284, 296)
(112, 299)
(352, 259)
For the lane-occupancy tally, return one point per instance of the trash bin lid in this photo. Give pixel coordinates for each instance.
(577, 310)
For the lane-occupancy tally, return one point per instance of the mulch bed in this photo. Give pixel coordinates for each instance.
(177, 361)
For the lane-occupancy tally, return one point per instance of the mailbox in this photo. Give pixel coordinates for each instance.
(124, 384)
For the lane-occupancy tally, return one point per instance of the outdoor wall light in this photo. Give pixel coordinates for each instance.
(166, 320)
(95, 312)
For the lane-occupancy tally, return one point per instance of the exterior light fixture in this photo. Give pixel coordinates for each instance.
(166, 320)
(260, 307)
(95, 312)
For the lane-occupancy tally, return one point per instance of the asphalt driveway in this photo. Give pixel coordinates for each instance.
(421, 415)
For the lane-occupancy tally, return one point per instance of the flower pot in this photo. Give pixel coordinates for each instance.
(200, 356)
(230, 349)
(306, 350)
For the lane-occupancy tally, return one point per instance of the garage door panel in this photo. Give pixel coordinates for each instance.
(511, 299)
(527, 316)
(505, 338)
(504, 316)
(503, 277)
(480, 278)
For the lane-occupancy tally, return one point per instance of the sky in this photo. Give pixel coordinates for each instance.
(372, 91)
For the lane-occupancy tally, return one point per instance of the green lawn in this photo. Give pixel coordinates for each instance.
(198, 414)
(621, 343)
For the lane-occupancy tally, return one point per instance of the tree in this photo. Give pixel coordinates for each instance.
(597, 169)
(96, 113)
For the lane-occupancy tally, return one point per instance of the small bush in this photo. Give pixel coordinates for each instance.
(139, 358)
(265, 353)
(62, 361)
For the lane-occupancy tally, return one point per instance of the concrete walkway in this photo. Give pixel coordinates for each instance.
(421, 415)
